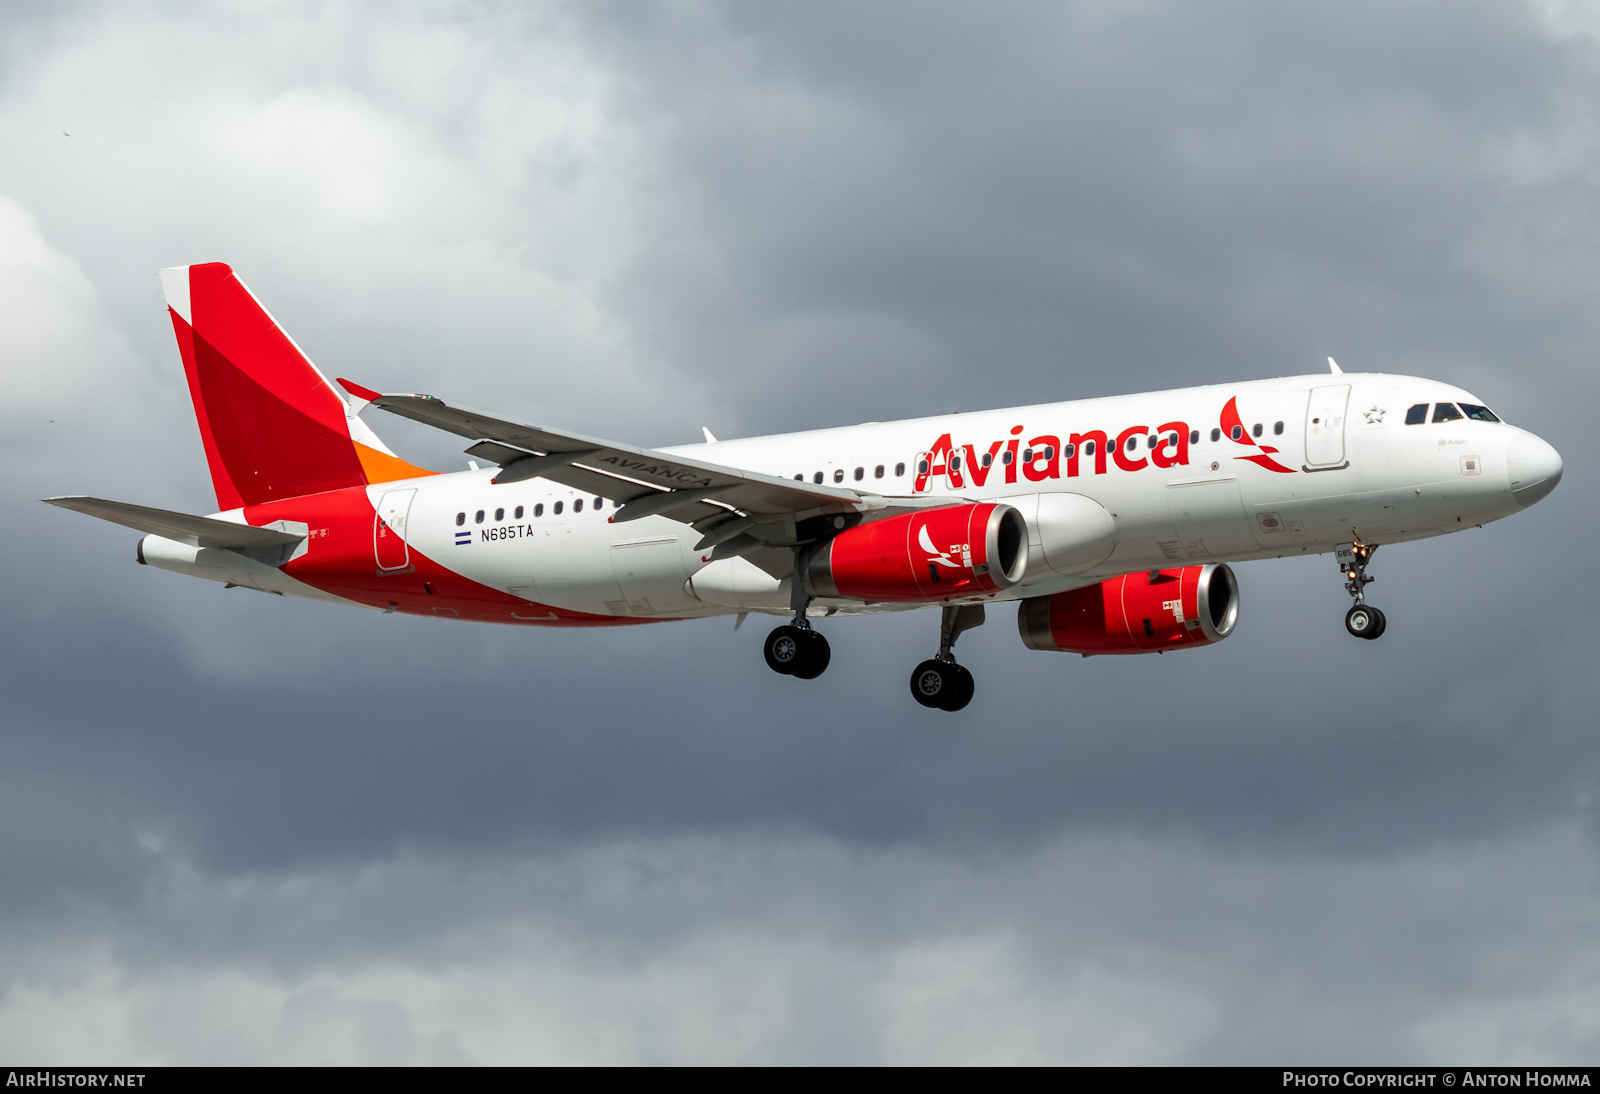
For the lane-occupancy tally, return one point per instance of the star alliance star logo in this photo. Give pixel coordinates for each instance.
(1374, 416)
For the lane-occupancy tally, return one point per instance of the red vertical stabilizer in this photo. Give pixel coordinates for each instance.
(272, 425)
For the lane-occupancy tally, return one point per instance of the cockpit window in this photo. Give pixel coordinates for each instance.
(1478, 413)
(1417, 414)
(1445, 412)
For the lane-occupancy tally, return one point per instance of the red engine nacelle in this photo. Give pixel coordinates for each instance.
(931, 554)
(1135, 613)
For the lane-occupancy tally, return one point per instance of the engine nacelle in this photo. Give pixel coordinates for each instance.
(1135, 613)
(930, 554)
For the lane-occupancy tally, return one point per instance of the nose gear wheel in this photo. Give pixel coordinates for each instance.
(1365, 621)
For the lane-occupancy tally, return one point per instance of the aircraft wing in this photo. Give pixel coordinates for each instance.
(642, 481)
(195, 531)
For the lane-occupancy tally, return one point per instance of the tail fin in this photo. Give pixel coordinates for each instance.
(273, 426)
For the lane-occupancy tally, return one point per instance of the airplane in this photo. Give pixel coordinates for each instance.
(1109, 522)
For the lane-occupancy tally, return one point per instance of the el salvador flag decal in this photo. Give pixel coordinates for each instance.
(463, 539)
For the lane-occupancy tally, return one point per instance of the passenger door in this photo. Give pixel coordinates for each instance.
(1325, 414)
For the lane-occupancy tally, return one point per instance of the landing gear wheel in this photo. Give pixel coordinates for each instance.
(1364, 621)
(961, 694)
(814, 656)
(1383, 624)
(785, 650)
(794, 651)
(942, 685)
(930, 683)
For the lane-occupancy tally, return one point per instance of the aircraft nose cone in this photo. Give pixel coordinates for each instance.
(1534, 468)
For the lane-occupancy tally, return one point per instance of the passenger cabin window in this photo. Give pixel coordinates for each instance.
(799, 478)
(955, 463)
(1255, 430)
(538, 510)
(1478, 413)
(1277, 429)
(1216, 435)
(461, 518)
(899, 470)
(1417, 414)
(1236, 432)
(1194, 436)
(922, 467)
(518, 513)
(1071, 450)
(597, 502)
(838, 476)
(499, 514)
(1005, 457)
(817, 478)
(877, 472)
(1088, 448)
(988, 458)
(1133, 442)
(1445, 412)
(577, 505)
(477, 518)
(556, 509)
(861, 473)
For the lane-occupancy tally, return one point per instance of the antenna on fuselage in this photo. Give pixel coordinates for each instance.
(1333, 367)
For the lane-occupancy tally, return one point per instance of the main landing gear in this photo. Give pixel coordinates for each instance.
(940, 682)
(795, 649)
(1363, 620)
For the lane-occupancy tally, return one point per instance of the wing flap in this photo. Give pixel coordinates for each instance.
(195, 531)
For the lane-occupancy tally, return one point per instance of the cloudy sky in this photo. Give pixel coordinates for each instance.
(235, 828)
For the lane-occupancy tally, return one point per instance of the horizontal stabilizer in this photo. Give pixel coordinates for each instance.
(195, 531)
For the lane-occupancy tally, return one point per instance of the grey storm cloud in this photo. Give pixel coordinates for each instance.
(235, 828)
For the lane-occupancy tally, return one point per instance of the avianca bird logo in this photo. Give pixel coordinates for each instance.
(1234, 429)
(934, 554)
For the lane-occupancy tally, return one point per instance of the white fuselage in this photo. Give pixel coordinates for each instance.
(1322, 460)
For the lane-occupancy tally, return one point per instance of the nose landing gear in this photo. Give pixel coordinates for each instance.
(1363, 620)
(940, 682)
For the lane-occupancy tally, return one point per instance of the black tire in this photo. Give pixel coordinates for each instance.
(814, 656)
(961, 689)
(932, 683)
(1363, 621)
(785, 650)
(1383, 625)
